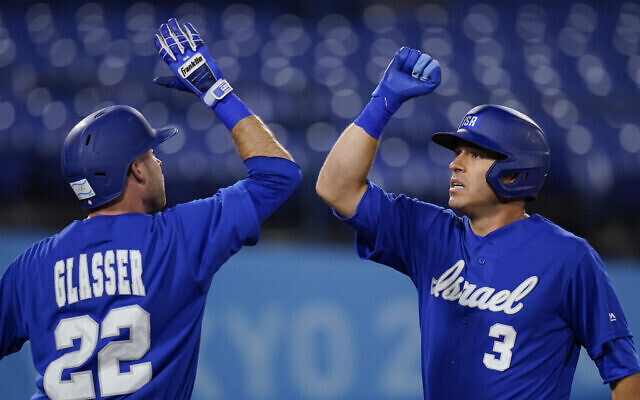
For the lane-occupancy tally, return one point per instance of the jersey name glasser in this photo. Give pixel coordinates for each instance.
(104, 265)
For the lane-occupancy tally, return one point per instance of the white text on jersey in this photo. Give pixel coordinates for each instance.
(448, 285)
(127, 263)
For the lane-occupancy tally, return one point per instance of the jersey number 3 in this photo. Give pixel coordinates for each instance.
(112, 381)
(502, 347)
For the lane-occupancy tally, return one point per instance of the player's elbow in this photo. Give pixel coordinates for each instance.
(326, 189)
(285, 180)
(342, 198)
(335, 191)
(288, 180)
(293, 179)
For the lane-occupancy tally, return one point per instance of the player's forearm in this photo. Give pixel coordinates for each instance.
(252, 138)
(343, 178)
(627, 388)
(250, 135)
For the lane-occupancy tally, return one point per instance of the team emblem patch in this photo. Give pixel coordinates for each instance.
(470, 121)
(82, 189)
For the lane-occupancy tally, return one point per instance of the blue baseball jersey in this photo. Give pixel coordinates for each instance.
(113, 305)
(501, 316)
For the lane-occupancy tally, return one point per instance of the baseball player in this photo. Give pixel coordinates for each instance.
(506, 299)
(113, 304)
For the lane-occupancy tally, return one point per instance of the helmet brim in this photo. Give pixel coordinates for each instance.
(162, 135)
(446, 139)
(451, 140)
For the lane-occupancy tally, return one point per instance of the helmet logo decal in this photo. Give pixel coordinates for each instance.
(470, 121)
(82, 189)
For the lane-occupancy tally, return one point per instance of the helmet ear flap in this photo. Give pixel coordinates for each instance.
(527, 183)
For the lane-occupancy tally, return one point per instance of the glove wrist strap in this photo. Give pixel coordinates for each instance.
(374, 117)
(231, 110)
(217, 91)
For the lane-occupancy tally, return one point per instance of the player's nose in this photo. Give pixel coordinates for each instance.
(456, 164)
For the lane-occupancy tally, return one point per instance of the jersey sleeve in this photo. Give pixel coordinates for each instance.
(385, 228)
(592, 307)
(619, 359)
(215, 228)
(13, 332)
(269, 182)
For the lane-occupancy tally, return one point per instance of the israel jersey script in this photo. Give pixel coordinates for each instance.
(501, 316)
(113, 305)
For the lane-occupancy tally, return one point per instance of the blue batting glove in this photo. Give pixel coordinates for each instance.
(410, 74)
(187, 56)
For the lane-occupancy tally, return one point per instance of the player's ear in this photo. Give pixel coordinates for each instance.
(136, 169)
(508, 179)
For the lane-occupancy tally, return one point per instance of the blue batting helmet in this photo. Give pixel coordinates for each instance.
(98, 151)
(519, 141)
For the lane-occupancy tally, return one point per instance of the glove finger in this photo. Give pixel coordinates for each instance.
(193, 34)
(411, 60)
(399, 58)
(171, 82)
(189, 38)
(171, 40)
(422, 62)
(431, 72)
(178, 33)
(164, 32)
(163, 49)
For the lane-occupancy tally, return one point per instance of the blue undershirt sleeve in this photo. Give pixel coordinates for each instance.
(270, 181)
(217, 227)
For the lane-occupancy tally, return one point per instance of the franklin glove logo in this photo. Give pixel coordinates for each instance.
(191, 65)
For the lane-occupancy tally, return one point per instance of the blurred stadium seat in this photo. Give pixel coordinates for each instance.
(308, 69)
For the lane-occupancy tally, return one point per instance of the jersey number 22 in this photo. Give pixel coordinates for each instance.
(112, 381)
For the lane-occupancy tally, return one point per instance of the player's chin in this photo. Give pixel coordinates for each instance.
(454, 202)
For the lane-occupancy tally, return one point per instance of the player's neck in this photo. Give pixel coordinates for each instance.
(486, 222)
(124, 205)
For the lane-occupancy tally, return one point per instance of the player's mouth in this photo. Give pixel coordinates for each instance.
(455, 185)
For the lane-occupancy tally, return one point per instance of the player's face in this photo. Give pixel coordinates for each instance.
(469, 191)
(155, 198)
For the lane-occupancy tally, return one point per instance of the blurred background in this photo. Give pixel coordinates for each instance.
(299, 317)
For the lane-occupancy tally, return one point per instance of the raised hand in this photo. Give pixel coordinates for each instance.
(194, 68)
(410, 74)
